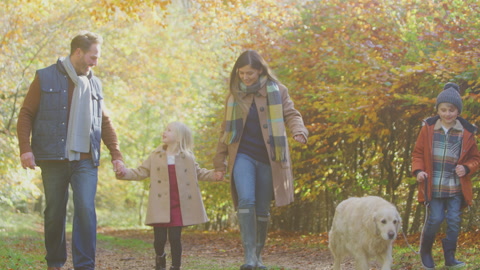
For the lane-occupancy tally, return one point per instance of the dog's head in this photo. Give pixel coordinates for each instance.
(387, 222)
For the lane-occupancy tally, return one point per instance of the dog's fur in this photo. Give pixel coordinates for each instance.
(365, 229)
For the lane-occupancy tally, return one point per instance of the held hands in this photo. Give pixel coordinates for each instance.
(300, 138)
(119, 168)
(28, 160)
(218, 175)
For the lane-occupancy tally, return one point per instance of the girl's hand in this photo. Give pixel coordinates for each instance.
(122, 172)
(300, 138)
(218, 175)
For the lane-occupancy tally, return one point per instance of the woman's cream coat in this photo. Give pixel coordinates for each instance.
(281, 171)
(188, 172)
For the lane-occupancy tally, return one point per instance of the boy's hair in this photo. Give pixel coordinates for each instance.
(184, 137)
(84, 41)
(450, 94)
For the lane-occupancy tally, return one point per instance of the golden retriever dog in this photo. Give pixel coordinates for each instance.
(364, 228)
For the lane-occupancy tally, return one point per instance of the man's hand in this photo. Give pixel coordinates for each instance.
(119, 167)
(28, 160)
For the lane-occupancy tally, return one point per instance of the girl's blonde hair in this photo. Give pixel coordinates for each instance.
(184, 138)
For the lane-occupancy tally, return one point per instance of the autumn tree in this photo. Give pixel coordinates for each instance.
(363, 73)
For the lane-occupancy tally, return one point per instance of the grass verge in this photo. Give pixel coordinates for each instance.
(22, 248)
(22, 243)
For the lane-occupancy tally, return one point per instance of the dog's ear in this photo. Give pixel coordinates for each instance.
(371, 222)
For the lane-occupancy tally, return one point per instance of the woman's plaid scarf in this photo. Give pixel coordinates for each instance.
(276, 125)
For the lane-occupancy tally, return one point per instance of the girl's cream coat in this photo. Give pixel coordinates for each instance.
(281, 171)
(188, 172)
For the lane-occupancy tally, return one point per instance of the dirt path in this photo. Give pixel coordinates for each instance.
(121, 250)
(288, 252)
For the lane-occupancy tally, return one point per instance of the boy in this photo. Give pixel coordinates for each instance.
(444, 158)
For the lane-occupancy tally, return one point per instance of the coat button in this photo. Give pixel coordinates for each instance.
(262, 109)
(265, 126)
(185, 170)
(158, 169)
(188, 183)
(189, 197)
(159, 181)
(159, 195)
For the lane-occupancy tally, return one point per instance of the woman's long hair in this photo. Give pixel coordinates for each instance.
(256, 61)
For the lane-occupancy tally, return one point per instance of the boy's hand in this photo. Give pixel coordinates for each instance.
(460, 170)
(421, 177)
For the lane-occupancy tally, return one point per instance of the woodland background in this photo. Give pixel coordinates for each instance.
(363, 73)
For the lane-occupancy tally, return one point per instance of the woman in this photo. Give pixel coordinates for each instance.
(254, 138)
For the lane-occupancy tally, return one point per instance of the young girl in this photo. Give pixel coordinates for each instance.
(174, 200)
(444, 158)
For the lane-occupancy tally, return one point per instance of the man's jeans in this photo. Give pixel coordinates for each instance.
(82, 176)
(441, 209)
(253, 181)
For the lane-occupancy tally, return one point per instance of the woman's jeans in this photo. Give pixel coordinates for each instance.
(253, 181)
(82, 176)
(441, 209)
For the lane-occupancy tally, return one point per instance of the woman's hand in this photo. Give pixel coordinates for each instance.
(300, 138)
(218, 175)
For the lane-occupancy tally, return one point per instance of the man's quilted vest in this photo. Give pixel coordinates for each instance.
(49, 133)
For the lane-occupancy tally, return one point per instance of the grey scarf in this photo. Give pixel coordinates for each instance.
(80, 119)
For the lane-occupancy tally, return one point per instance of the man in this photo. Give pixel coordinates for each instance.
(62, 112)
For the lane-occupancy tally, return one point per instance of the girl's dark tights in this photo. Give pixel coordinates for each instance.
(174, 237)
